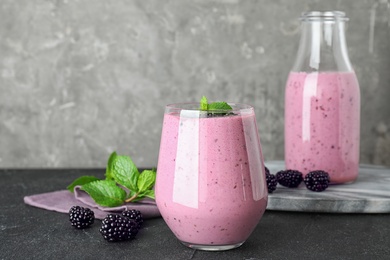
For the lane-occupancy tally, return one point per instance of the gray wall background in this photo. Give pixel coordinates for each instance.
(82, 78)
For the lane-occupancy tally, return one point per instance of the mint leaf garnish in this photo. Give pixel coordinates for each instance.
(203, 104)
(105, 193)
(81, 181)
(121, 174)
(215, 107)
(219, 106)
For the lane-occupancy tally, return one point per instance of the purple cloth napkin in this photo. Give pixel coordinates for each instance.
(63, 200)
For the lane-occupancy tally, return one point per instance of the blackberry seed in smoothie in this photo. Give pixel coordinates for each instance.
(210, 187)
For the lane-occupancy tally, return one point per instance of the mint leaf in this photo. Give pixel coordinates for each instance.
(105, 193)
(81, 181)
(203, 103)
(149, 194)
(205, 106)
(219, 106)
(110, 164)
(145, 183)
(125, 172)
(146, 180)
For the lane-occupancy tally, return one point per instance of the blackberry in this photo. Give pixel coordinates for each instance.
(118, 228)
(317, 180)
(134, 214)
(80, 217)
(271, 181)
(289, 178)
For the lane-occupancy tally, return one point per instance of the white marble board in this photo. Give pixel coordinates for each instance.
(370, 193)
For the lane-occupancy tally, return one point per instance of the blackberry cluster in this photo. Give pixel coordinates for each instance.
(80, 217)
(118, 228)
(289, 178)
(271, 181)
(317, 180)
(135, 215)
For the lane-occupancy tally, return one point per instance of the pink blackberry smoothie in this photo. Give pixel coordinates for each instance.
(210, 187)
(322, 124)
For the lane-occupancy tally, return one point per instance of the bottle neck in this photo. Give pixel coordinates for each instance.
(322, 46)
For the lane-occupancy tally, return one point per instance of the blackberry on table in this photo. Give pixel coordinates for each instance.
(118, 228)
(317, 180)
(80, 217)
(134, 214)
(289, 178)
(271, 181)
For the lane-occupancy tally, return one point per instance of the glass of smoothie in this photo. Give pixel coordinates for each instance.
(210, 188)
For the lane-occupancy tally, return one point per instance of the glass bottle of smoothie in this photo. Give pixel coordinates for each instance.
(322, 101)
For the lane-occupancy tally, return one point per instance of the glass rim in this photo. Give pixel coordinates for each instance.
(195, 106)
(324, 16)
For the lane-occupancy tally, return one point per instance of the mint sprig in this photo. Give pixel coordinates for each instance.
(213, 107)
(121, 175)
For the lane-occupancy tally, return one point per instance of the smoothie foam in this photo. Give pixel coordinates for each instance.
(210, 178)
(322, 124)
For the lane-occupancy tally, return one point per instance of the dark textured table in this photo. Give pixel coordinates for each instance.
(33, 233)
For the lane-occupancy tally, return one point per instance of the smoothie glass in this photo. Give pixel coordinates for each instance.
(210, 188)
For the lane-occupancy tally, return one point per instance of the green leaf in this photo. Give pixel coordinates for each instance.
(105, 193)
(149, 194)
(81, 181)
(125, 172)
(146, 180)
(219, 106)
(110, 165)
(203, 104)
